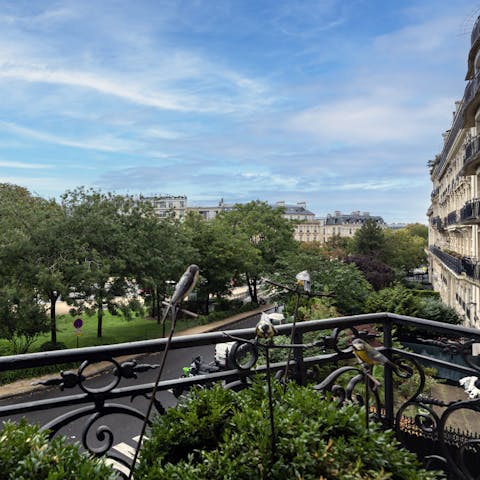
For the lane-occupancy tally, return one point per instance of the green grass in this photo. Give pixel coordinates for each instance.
(115, 329)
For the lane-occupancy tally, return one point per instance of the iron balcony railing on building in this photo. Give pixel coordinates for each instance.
(437, 223)
(458, 264)
(452, 218)
(453, 263)
(472, 158)
(425, 420)
(470, 212)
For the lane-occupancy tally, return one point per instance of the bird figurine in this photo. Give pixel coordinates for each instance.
(471, 386)
(264, 328)
(365, 353)
(183, 288)
(303, 279)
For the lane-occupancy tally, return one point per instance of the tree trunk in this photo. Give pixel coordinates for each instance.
(158, 305)
(252, 288)
(53, 320)
(99, 318)
(207, 305)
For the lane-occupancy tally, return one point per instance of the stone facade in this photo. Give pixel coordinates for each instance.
(454, 213)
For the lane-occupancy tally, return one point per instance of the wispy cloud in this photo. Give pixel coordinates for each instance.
(24, 165)
(105, 143)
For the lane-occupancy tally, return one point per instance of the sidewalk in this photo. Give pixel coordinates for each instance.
(22, 387)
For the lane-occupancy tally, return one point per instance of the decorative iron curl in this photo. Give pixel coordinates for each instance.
(349, 393)
(103, 433)
(457, 463)
(69, 379)
(331, 342)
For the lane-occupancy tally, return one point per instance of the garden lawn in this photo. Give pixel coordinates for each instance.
(115, 329)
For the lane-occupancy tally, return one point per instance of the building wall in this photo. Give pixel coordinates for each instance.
(454, 213)
(168, 205)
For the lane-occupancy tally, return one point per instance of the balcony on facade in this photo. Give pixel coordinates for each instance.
(471, 159)
(474, 46)
(458, 264)
(437, 223)
(452, 218)
(470, 212)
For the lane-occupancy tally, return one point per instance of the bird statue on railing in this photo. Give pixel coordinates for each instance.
(264, 328)
(303, 279)
(365, 353)
(369, 356)
(183, 288)
(471, 386)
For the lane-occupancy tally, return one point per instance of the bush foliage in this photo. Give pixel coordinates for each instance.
(219, 434)
(26, 453)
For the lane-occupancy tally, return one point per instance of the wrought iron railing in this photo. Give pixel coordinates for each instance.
(472, 149)
(423, 423)
(458, 264)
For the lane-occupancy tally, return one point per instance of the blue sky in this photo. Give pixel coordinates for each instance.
(336, 103)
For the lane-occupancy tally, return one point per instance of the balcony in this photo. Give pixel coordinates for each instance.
(470, 212)
(474, 42)
(472, 156)
(452, 218)
(425, 422)
(453, 263)
(458, 264)
(437, 223)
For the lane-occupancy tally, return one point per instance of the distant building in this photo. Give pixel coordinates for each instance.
(167, 205)
(209, 213)
(454, 213)
(346, 225)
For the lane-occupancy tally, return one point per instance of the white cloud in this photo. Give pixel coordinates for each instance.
(105, 143)
(23, 165)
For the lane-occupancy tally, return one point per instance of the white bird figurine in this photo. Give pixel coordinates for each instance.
(183, 288)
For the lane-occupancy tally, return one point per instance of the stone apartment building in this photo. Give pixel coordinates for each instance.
(167, 205)
(454, 213)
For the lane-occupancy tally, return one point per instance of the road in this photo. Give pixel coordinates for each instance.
(124, 427)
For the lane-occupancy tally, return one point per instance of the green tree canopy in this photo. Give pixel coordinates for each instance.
(265, 228)
(370, 240)
(350, 287)
(221, 255)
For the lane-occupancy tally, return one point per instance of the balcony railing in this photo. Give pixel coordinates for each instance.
(453, 263)
(424, 423)
(470, 212)
(437, 223)
(452, 218)
(458, 264)
(472, 158)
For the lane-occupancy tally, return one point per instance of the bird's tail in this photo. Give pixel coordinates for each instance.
(166, 313)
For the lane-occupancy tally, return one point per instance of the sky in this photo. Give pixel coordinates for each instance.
(339, 104)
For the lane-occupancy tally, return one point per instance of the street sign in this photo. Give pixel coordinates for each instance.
(78, 323)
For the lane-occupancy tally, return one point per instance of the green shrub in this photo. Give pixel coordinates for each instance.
(50, 346)
(217, 435)
(26, 453)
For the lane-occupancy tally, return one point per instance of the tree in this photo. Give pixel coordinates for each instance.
(405, 250)
(100, 222)
(157, 252)
(350, 287)
(417, 229)
(378, 273)
(33, 246)
(221, 255)
(335, 247)
(22, 318)
(267, 231)
(370, 240)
